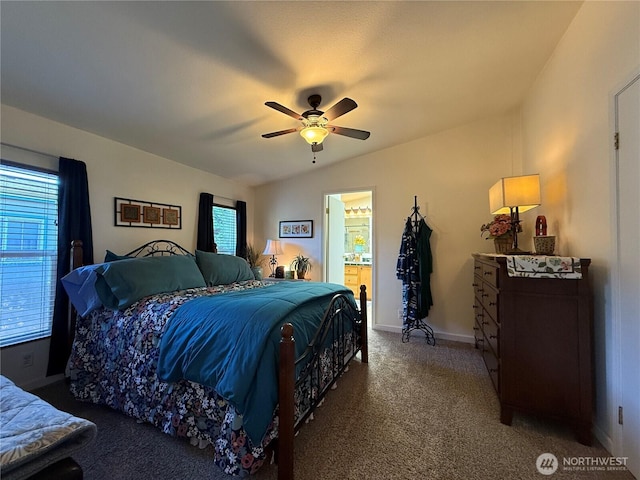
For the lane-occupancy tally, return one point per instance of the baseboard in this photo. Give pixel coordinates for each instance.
(603, 438)
(42, 382)
(454, 337)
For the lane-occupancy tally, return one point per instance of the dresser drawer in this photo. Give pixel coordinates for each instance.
(492, 333)
(489, 298)
(477, 334)
(493, 365)
(477, 289)
(490, 274)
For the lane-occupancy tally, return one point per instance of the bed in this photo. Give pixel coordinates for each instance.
(230, 361)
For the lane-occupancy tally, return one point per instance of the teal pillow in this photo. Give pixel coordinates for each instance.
(112, 257)
(122, 283)
(219, 269)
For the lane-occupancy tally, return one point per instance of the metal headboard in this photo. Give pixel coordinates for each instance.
(159, 248)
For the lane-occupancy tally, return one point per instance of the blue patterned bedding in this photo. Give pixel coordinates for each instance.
(114, 362)
(231, 343)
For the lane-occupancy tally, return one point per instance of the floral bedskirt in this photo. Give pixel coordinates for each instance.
(113, 363)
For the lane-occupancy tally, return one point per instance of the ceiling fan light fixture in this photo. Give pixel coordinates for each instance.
(314, 134)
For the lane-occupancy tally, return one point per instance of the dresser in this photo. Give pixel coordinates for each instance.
(535, 335)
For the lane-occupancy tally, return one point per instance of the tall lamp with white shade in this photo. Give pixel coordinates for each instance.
(273, 248)
(514, 195)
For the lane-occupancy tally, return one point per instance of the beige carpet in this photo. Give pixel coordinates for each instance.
(414, 412)
(423, 412)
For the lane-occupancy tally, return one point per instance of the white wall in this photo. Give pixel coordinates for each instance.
(450, 172)
(114, 170)
(568, 137)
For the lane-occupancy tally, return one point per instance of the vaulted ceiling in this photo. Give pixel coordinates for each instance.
(188, 80)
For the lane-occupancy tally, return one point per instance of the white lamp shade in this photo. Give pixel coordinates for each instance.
(508, 192)
(273, 247)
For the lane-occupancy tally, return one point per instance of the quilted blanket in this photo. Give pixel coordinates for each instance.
(35, 434)
(230, 343)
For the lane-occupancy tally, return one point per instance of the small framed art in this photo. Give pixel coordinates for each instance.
(296, 229)
(129, 213)
(170, 216)
(151, 214)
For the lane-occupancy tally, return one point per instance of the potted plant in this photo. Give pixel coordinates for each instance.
(255, 260)
(301, 265)
(500, 229)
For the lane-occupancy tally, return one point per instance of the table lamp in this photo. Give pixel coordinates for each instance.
(273, 248)
(513, 195)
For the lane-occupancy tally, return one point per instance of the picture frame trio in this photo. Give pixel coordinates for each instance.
(139, 213)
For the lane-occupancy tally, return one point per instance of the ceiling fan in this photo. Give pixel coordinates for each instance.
(315, 123)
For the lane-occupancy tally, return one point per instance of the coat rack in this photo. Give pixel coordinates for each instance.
(409, 264)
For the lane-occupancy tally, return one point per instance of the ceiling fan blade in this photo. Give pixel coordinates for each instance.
(343, 106)
(316, 147)
(281, 132)
(349, 132)
(285, 110)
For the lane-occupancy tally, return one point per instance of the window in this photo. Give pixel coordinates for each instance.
(28, 253)
(224, 229)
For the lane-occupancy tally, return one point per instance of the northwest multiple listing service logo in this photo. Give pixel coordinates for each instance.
(548, 464)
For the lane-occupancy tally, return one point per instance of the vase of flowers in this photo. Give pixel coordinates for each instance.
(500, 229)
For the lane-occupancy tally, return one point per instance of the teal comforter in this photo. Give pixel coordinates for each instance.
(231, 342)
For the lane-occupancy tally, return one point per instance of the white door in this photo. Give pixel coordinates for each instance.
(627, 103)
(334, 246)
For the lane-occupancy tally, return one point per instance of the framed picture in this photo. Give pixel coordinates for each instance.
(151, 214)
(296, 229)
(170, 216)
(129, 213)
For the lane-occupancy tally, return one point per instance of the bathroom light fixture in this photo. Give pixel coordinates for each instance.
(273, 248)
(513, 195)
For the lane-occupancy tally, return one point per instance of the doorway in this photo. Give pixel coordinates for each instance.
(348, 242)
(627, 270)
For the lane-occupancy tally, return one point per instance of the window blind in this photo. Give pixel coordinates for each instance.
(28, 253)
(225, 229)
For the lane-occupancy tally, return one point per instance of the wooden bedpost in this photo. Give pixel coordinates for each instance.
(286, 413)
(76, 254)
(364, 349)
(75, 262)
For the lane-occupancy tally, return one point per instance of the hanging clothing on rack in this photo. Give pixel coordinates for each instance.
(414, 268)
(408, 270)
(425, 260)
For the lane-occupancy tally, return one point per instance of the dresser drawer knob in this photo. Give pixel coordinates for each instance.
(488, 273)
(493, 336)
(493, 370)
(492, 304)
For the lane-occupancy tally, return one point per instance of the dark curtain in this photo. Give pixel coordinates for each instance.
(74, 223)
(205, 241)
(241, 229)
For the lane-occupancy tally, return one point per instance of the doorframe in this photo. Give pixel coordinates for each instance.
(616, 441)
(374, 242)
